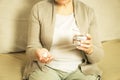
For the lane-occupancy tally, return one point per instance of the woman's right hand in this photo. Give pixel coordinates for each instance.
(43, 55)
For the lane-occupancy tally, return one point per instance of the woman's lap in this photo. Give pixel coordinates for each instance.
(78, 75)
(52, 74)
(47, 74)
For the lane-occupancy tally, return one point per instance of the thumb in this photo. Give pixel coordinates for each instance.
(89, 37)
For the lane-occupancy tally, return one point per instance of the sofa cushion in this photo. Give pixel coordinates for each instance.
(110, 63)
(11, 66)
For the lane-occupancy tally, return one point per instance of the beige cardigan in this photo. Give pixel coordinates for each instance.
(41, 32)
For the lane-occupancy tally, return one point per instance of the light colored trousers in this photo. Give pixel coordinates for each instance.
(52, 74)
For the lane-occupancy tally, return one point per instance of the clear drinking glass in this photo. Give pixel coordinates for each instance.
(78, 38)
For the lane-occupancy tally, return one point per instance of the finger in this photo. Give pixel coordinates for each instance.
(50, 56)
(41, 55)
(89, 36)
(42, 59)
(85, 45)
(50, 59)
(46, 60)
(81, 48)
(86, 42)
(84, 49)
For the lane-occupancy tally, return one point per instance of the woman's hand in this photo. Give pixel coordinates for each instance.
(86, 45)
(43, 55)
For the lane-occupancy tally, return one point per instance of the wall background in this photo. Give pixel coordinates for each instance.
(13, 24)
(14, 17)
(107, 12)
(108, 17)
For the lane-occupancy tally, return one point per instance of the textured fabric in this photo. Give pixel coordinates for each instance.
(110, 63)
(41, 32)
(11, 66)
(48, 74)
(62, 48)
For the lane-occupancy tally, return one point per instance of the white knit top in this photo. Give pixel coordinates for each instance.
(66, 56)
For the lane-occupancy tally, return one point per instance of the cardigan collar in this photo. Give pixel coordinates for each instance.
(79, 14)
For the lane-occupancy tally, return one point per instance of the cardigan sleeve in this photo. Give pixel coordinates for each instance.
(33, 42)
(98, 52)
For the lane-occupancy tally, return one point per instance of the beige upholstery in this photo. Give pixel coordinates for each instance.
(110, 64)
(11, 66)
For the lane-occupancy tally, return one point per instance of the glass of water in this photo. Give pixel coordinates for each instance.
(78, 38)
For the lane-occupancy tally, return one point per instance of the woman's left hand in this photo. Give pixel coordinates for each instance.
(86, 45)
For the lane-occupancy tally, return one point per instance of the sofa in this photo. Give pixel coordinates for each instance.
(110, 63)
